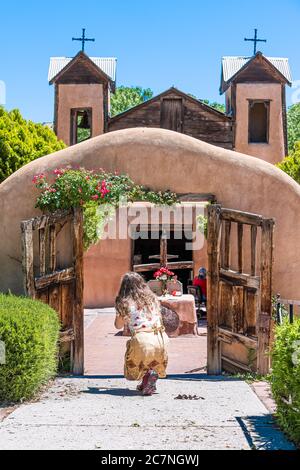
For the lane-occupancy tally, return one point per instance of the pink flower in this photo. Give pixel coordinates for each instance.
(38, 178)
(95, 198)
(80, 190)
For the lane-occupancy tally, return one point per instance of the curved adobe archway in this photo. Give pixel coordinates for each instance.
(165, 159)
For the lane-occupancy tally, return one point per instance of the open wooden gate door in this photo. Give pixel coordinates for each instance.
(61, 288)
(240, 253)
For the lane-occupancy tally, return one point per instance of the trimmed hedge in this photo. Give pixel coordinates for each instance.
(30, 331)
(285, 377)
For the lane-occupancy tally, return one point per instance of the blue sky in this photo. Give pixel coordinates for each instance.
(158, 43)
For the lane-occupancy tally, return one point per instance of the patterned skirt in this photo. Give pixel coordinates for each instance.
(146, 350)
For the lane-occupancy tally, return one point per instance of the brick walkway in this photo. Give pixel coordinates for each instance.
(105, 348)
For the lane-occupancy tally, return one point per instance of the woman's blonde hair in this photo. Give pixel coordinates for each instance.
(134, 289)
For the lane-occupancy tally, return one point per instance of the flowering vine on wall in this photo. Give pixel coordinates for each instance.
(98, 192)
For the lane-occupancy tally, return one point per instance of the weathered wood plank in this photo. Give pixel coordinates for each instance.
(54, 298)
(173, 266)
(52, 236)
(57, 277)
(264, 318)
(27, 258)
(78, 316)
(240, 279)
(67, 297)
(230, 336)
(238, 365)
(51, 219)
(42, 251)
(227, 250)
(213, 249)
(238, 309)
(253, 249)
(240, 247)
(242, 217)
(225, 304)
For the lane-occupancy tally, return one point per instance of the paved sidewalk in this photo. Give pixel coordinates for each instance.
(105, 348)
(107, 413)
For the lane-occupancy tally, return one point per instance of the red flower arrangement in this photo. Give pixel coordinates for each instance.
(163, 274)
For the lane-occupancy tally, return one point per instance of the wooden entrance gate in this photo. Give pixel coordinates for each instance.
(61, 288)
(240, 257)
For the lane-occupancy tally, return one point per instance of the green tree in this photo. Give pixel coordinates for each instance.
(293, 118)
(22, 141)
(291, 164)
(213, 104)
(128, 97)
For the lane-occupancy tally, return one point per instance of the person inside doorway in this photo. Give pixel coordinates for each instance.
(201, 282)
(146, 355)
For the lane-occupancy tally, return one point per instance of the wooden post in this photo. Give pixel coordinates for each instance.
(265, 313)
(213, 248)
(78, 313)
(27, 258)
(164, 250)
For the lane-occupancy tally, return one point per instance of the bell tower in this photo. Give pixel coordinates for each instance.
(82, 95)
(256, 101)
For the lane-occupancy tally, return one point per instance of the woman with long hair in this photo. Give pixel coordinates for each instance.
(146, 356)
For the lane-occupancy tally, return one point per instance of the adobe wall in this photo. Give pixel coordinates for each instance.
(274, 151)
(161, 159)
(78, 96)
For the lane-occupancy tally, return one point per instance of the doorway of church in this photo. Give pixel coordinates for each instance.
(153, 246)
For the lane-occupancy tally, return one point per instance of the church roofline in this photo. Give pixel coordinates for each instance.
(59, 65)
(166, 92)
(232, 66)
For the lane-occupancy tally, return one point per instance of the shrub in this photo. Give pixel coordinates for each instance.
(22, 141)
(285, 377)
(29, 330)
(291, 164)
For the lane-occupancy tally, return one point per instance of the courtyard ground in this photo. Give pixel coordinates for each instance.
(105, 411)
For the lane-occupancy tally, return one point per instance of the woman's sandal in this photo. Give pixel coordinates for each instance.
(150, 387)
(144, 382)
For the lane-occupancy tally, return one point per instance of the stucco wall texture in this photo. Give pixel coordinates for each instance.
(274, 151)
(160, 159)
(79, 96)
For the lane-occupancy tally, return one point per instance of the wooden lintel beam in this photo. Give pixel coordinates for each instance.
(240, 279)
(57, 277)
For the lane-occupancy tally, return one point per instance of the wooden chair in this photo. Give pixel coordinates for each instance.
(175, 286)
(156, 287)
(197, 293)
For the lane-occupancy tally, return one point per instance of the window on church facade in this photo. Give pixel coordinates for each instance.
(259, 112)
(81, 125)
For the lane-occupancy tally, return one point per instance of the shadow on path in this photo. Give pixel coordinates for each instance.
(187, 377)
(119, 392)
(262, 433)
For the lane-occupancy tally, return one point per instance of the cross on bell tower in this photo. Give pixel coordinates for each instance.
(83, 39)
(255, 40)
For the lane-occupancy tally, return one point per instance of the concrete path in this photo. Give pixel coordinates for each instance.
(108, 414)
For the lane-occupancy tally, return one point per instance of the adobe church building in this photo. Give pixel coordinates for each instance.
(175, 142)
(254, 122)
